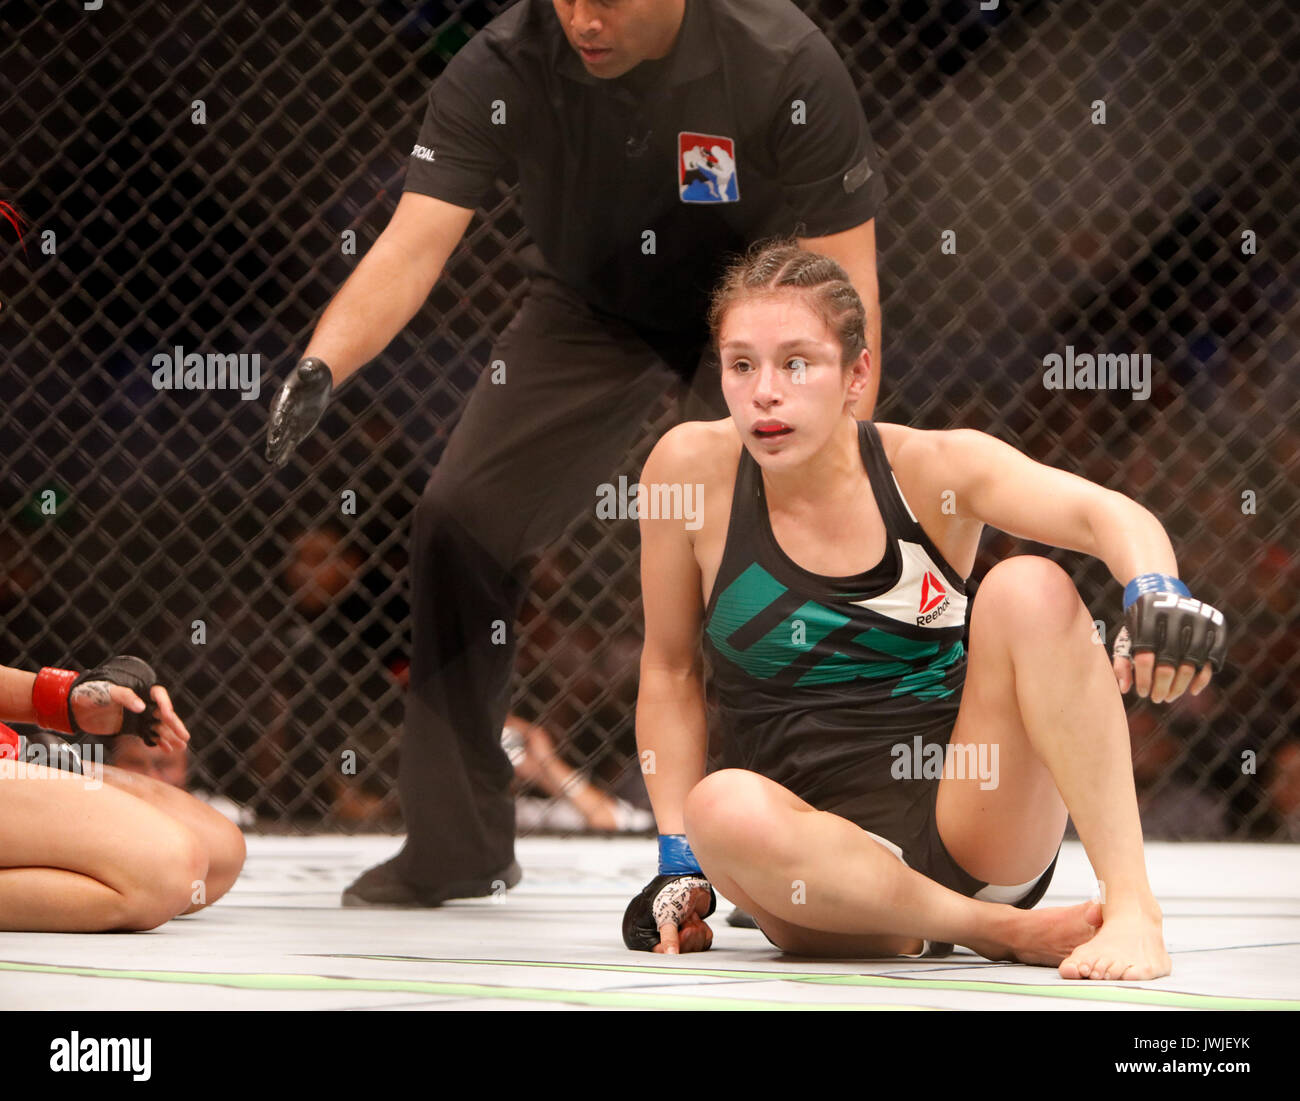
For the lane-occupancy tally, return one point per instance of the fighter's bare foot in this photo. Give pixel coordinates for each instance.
(1129, 945)
(1044, 937)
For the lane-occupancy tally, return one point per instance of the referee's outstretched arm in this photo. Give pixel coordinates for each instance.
(389, 285)
(378, 299)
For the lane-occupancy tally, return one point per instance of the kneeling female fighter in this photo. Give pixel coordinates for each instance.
(887, 793)
(103, 849)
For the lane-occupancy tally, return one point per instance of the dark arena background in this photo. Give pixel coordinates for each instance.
(191, 175)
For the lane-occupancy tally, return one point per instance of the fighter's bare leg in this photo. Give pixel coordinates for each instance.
(76, 857)
(800, 941)
(222, 840)
(819, 885)
(1040, 689)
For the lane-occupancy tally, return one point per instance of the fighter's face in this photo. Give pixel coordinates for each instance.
(614, 36)
(783, 379)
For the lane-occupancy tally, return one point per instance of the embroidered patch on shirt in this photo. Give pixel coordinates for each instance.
(706, 168)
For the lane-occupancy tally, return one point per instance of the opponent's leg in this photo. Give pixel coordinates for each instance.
(819, 885)
(81, 859)
(1041, 690)
(222, 840)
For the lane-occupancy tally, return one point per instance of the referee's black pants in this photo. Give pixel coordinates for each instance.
(525, 459)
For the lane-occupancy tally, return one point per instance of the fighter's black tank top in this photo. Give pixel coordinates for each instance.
(819, 679)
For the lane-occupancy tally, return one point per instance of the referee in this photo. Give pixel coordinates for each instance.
(651, 140)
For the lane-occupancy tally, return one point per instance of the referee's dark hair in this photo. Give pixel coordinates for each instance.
(778, 263)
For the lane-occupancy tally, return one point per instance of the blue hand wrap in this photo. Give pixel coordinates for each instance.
(675, 856)
(1152, 583)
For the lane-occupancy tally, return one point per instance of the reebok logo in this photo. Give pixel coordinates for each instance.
(934, 599)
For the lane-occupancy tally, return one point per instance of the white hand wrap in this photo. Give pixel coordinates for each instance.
(673, 900)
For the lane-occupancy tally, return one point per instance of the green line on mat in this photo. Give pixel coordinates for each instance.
(314, 983)
(1080, 989)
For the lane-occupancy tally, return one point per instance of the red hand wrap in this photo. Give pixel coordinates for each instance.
(50, 698)
(9, 743)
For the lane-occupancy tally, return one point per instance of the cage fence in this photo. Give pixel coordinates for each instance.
(1114, 178)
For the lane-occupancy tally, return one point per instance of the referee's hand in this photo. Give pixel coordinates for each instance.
(297, 408)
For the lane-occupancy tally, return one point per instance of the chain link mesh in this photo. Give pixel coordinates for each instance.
(144, 521)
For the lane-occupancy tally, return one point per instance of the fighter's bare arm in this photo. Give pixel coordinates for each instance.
(991, 483)
(994, 484)
(670, 713)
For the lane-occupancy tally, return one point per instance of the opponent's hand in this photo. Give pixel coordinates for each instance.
(668, 915)
(1169, 643)
(297, 408)
(138, 711)
(99, 707)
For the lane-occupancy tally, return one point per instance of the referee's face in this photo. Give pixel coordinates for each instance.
(614, 36)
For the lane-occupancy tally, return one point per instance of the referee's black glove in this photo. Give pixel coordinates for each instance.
(297, 408)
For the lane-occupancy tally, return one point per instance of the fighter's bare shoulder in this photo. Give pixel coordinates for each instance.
(896, 437)
(919, 451)
(697, 451)
(703, 455)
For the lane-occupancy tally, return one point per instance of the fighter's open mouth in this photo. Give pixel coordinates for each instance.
(772, 431)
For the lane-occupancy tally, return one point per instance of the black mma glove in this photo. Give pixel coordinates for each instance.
(52, 696)
(297, 408)
(665, 900)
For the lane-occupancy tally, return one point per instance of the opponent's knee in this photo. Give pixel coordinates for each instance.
(728, 808)
(168, 883)
(1034, 590)
(226, 853)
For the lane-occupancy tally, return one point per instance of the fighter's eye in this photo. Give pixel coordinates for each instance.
(800, 364)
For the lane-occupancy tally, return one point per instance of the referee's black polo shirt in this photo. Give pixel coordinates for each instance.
(703, 147)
